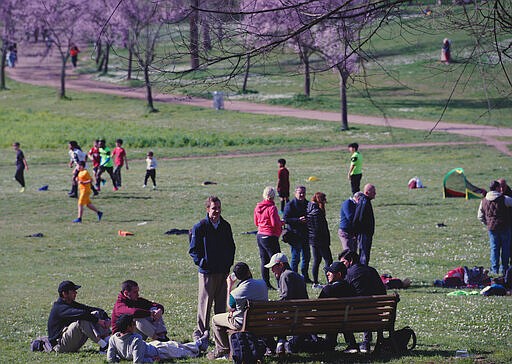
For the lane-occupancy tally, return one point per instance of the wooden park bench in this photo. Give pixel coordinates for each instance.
(322, 316)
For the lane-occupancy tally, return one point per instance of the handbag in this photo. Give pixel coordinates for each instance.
(289, 237)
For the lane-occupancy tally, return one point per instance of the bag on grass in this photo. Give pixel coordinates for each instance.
(400, 341)
(246, 348)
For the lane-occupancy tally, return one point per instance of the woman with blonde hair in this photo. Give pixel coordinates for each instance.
(318, 233)
(266, 218)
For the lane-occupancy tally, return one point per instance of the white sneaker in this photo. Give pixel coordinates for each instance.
(154, 187)
(143, 186)
(318, 286)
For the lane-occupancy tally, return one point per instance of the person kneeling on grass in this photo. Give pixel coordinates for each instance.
(128, 345)
(84, 182)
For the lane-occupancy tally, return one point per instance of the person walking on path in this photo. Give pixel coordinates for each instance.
(355, 171)
(84, 181)
(364, 223)
(266, 218)
(295, 217)
(212, 249)
(73, 52)
(120, 160)
(21, 166)
(494, 213)
(283, 183)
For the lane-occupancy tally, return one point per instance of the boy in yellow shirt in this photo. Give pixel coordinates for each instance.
(84, 184)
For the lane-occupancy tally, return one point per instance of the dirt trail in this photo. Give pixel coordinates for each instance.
(36, 68)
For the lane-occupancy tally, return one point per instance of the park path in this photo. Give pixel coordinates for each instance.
(34, 67)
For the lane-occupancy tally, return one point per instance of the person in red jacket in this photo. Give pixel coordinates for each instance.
(269, 224)
(147, 314)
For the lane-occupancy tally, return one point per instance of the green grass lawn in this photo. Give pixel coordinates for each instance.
(407, 242)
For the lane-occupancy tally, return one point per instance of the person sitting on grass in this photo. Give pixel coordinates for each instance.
(84, 182)
(70, 323)
(126, 344)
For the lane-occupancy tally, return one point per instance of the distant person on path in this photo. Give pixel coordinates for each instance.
(294, 216)
(120, 160)
(84, 181)
(346, 231)
(212, 248)
(445, 51)
(12, 55)
(355, 171)
(127, 344)
(319, 236)
(266, 218)
(106, 164)
(21, 165)
(494, 213)
(364, 223)
(73, 52)
(70, 323)
(148, 315)
(150, 170)
(283, 183)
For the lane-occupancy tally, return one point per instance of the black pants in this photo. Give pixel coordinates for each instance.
(355, 182)
(110, 171)
(19, 176)
(150, 173)
(268, 246)
(320, 252)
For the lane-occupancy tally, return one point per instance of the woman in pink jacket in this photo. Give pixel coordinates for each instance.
(266, 218)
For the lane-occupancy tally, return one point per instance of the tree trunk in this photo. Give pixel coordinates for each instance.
(100, 65)
(99, 51)
(2, 66)
(246, 75)
(130, 60)
(307, 75)
(194, 37)
(62, 92)
(207, 40)
(107, 54)
(149, 94)
(343, 96)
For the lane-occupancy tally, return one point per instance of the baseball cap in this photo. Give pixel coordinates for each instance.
(336, 267)
(276, 259)
(65, 286)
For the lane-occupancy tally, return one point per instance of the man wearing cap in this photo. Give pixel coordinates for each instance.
(70, 323)
(291, 286)
(338, 287)
(365, 281)
(147, 314)
(249, 289)
(212, 248)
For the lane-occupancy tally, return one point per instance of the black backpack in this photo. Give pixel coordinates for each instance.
(400, 341)
(246, 348)
(41, 344)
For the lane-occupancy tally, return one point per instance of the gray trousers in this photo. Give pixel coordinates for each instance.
(76, 334)
(213, 290)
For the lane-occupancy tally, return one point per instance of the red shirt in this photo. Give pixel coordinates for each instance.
(94, 153)
(119, 155)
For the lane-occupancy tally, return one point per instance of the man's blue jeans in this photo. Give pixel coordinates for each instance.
(499, 241)
(296, 250)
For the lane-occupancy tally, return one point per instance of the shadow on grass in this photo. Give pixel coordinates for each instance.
(118, 196)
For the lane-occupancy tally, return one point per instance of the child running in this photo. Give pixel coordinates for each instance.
(150, 170)
(84, 182)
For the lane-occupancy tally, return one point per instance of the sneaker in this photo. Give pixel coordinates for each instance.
(318, 286)
(269, 352)
(104, 350)
(103, 181)
(351, 350)
(202, 343)
(143, 186)
(280, 351)
(78, 220)
(163, 339)
(22, 189)
(218, 354)
(364, 347)
(100, 215)
(73, 195)
(114, 189)
(95, 192)
(154, 187)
